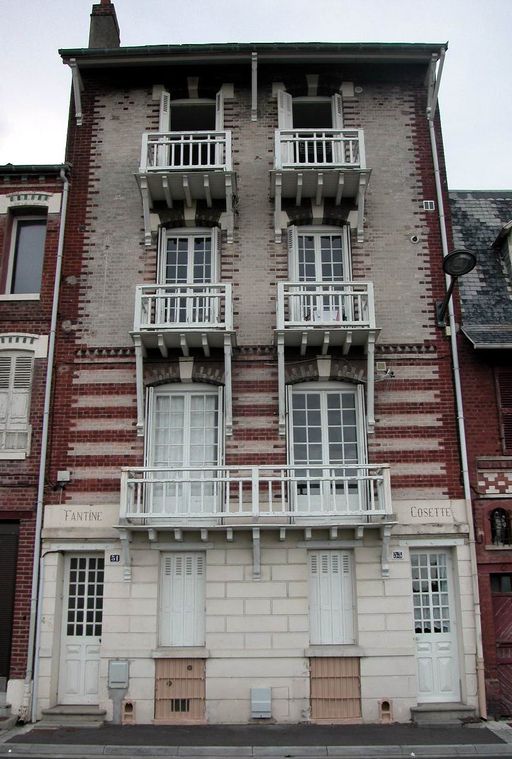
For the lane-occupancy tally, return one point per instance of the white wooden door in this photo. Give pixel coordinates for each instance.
(435, 628)
(182, 599)
(320, 259)
(81, 629)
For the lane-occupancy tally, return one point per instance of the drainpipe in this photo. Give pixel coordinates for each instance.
(27, 710)
(482, 705)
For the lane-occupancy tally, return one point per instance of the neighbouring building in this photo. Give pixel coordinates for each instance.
(30, 209)
(482, 222)
(260, 512)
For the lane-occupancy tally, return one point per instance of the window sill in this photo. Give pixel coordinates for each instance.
(180, 652)
(13, 455)
(344, 649)
(21, 296)
(499, 548)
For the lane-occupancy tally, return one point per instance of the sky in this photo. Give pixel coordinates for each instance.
(476, 87)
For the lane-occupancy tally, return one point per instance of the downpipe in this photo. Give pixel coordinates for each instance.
(28, 706)
(480, 671)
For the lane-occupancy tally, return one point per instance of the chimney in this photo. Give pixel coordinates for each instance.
(104, 30)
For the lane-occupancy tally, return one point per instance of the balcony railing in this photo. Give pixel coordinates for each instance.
(310, 305)
(225, 495)
(186, 151)
(182, 307)
(314, 148)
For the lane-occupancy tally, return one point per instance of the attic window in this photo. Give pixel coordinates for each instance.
(429, 205)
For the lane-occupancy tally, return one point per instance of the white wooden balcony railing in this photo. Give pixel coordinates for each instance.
(186, 151)
(225, 495)
(313, 148)
(183, 307)
(321, 305)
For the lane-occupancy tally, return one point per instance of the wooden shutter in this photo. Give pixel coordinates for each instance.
(293, 253)
(331, 597)
(505, 399)
(219, 111)
(164, 123)
(337, 111)
(182, 599)
(15, 386)
(284, 110)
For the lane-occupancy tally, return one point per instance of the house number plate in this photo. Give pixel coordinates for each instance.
(115, 558)
(397, 555)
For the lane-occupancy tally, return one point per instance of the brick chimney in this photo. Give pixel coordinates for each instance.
(104, 30)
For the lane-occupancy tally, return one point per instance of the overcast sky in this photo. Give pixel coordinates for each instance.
(475, 96)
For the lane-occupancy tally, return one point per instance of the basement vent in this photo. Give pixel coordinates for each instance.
(429, 205)
(261, 703)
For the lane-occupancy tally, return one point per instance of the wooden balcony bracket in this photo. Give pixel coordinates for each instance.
(256, 553)
(125, 538)
(360, 200)
(167, 191)
(146, 212)
(78, 86)
(386, 536)
(281, 383)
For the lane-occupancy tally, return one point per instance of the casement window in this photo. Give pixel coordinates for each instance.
(331, 597)
(319, 257)
(182, 599)
(26, 255)
(326, 427)
(184, 435)
(504, 383)
(16, 370)
(189, 258)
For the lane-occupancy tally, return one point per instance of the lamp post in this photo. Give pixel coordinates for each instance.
(455, 264)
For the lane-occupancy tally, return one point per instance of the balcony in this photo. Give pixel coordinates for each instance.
(264, 496)
(318, 164)
(324, 314)
(185, 167)
(183, 316)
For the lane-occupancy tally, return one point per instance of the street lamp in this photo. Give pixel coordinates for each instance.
(455, 264)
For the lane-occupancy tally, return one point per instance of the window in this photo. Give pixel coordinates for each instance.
(15, 384)
(326, 428)
(182, 599)
(183, 435)
(27, 254)
(504, 382)
(331, 598)
(310, 130)
(500, 527)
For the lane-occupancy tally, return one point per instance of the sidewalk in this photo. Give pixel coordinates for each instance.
(237, 741)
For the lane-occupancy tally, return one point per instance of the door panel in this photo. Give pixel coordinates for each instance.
(434, 624)
(502, 608)
(81, 629)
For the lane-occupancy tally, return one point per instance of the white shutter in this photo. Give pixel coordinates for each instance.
(293, 252)
(20, 398)
(284, 110)
(182, 599)
(215, 254)
(5, 385)
(15, 386)
(331, 598)
(149, 425)
(219, 111)
(164, 123)
(337, 111)
(361, 425)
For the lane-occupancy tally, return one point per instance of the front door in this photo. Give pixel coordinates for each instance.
(434, 625)
(501, 586)
(81, 629)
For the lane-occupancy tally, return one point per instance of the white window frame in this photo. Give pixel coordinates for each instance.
(22, 425)
(191, 607)
(332, 623)
(9, 295)
(190, 234)
(166, 105)
(285, 108)
(317, 231)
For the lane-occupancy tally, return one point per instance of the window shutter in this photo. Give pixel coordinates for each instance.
(164, 123)
(20, 399)
(337, 111)
(5, 382)
(331, 598)
(292, 253)
(505, 398)
(15, 386)
(361, 425)
(182, 599)
(284, 110)
(219, 111)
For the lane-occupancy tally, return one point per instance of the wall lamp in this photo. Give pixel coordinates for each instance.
(455, 264)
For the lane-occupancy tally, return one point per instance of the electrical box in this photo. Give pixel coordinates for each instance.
(118, 673)
(261, 703)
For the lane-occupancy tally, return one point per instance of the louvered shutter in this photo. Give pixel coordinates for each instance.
(182, 600)
(219, 111)
(293, 253)
(285, 121)
(15, 386)
(337, 111)
(505, 398)
(331, 598)
(164, 122)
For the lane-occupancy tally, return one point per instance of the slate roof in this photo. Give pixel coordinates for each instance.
(478, 218)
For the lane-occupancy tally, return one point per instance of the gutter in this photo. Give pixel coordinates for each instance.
(27, 711)
(431, 110)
